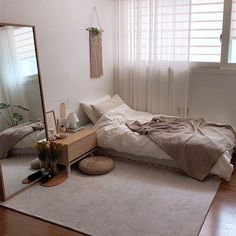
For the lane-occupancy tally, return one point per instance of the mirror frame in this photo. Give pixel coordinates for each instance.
(3, 196)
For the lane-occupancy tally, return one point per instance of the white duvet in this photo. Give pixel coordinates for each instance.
(112, 133)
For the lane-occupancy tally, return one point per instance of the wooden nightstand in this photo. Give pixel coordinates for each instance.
(77, 146)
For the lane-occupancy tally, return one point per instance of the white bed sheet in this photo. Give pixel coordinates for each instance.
(29, 140)
(26, 144)
(112, 133)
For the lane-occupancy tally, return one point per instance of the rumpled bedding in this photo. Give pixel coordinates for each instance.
(11, 136)
(113, 134)
(195, 144)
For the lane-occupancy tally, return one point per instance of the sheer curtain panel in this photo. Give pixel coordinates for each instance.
(11, 79)
(151, 54)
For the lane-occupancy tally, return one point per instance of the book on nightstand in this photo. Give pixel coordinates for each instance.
(74, 130)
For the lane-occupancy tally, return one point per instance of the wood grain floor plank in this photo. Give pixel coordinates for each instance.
(221, 218)
(16, 224)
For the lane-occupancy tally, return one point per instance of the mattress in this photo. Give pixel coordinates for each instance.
(113, 134)
(25, 146)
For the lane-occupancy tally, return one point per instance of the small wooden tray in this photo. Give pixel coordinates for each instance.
(56, 180)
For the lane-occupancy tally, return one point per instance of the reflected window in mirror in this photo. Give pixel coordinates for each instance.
(19, 77)
(21, 105)
(25, 50)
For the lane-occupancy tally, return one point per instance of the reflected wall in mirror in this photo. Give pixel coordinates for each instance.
(21, 105)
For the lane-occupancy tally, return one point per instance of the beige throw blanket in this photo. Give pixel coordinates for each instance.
(196, 145)
(9, 137)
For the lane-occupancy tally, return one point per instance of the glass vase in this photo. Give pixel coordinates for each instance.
(47, 164)
(54, 168)
(42, 165)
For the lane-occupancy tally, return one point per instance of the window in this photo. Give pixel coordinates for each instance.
(206, 29)
(25, 50)
(182, 30)
(145, 18)
(232, 43)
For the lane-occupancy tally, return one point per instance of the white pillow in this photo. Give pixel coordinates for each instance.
(86, 106)
(104, 106)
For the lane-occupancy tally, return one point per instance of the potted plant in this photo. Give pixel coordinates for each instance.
(95, 32)
(14, 113)
(42, 155)
(49, 153)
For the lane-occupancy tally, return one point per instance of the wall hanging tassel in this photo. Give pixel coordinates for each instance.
(95, 47)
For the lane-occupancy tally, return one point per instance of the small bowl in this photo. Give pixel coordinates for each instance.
(61, 135)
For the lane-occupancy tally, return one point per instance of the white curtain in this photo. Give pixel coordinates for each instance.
(151, 54)
(11, 80)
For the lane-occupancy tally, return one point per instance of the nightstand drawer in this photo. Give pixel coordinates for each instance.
(82, 146)
(76, 145)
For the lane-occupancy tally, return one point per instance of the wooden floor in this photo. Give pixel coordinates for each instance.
(16, 224)
(221, 218)
(220, 221)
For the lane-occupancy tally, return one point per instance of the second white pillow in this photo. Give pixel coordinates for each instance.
(86, 106)
(104, 106)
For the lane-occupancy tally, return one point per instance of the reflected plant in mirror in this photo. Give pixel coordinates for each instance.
(22, 112)
(14, 117)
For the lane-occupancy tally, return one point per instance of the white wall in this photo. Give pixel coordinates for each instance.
(63, 47)
(212, 95)
(1, 2)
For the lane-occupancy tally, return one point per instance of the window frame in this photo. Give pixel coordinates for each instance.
(224, 63)
(15, 35)
(225, 44)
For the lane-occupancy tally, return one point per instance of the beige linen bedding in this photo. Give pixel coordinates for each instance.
(113, 134)
(11, 136)
(196, 145)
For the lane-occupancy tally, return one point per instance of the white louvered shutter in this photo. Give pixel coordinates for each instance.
(206, 28)
(232, 52)
(25, 50)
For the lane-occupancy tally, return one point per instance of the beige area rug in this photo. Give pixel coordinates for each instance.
(132, 200)
(14, 170)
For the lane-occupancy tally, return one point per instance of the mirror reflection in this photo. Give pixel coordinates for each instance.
(21, 107)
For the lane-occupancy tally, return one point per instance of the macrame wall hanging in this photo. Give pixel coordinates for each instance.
(95, 47)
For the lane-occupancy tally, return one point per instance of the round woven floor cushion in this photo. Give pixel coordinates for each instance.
(96, 165)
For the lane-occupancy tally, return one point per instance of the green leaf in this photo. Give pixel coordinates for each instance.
(94, 31)
(14, 117)
(17, 117)
(4, 106)
(22, 108)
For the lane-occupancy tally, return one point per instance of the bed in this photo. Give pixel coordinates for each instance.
(19, 140)
(116, 139)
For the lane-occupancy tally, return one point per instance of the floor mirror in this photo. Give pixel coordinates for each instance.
(22, 112)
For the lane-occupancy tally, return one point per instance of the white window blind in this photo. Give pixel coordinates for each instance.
(232, 50)
(24, 42)
(25, 50)
(158, 30)
(175, 30)
(206, 29)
